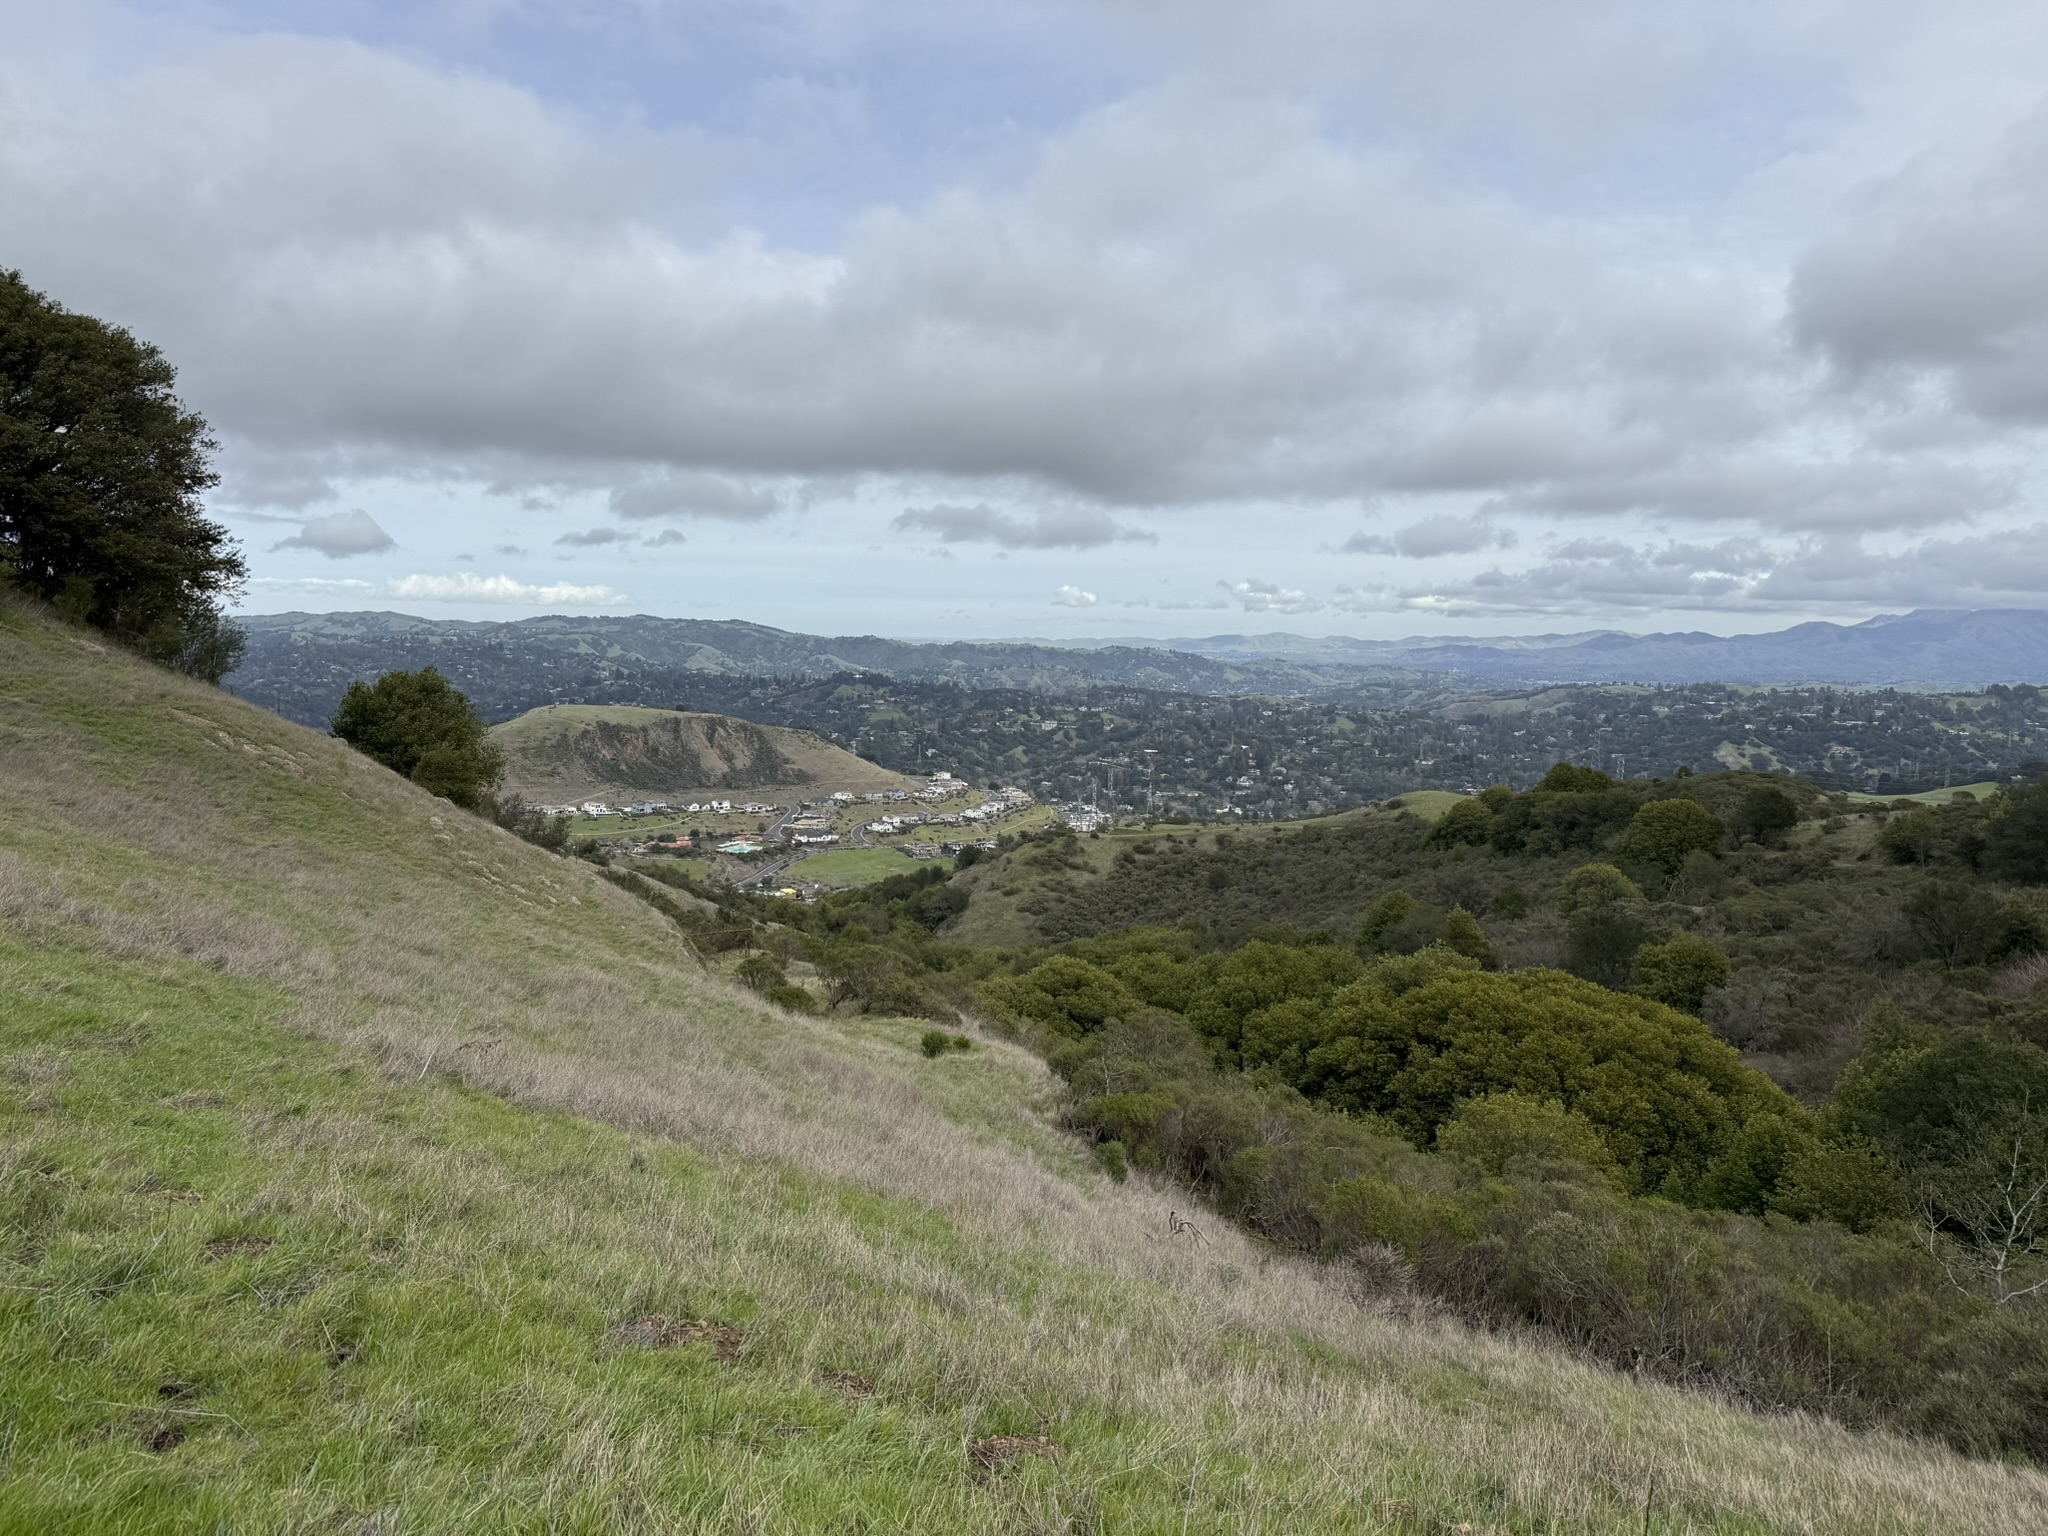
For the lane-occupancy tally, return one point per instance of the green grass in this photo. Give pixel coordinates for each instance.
(486, 1109)
(1977, 791)
(845, 867)
(1429, 804)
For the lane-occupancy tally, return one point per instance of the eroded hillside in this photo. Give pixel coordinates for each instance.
(571, 751)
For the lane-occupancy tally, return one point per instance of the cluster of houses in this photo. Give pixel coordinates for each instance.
(1084, 818)
(659, 808)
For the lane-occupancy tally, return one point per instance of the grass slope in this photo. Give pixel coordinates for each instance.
(344, 1140)
(581, 751)
(845, 867)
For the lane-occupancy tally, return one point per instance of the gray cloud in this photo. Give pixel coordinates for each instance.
(2004, 568)
(1064, 529)
(666, 538)
(339, 535)
(1446, 534)
(1183, 300)
(688, 493)
(1213, 290)
(591, 538)
(1943, 268)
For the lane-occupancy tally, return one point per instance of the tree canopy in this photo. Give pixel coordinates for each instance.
(415, 724)
(101, 474)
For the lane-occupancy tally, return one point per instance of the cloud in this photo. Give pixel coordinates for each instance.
(340, 535)
(1198, 293)
(1256, 596)
(665, 538)
(685, 493)
(1442, 535)
(1073, 597)
(2006, 568)
(1942, 269)
(590, 538)
(1067, 529)
(467, 587)
(509, 549)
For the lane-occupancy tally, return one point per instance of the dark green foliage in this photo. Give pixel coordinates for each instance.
(1469, 822)
(1382, 918)
(1109, 1155)
(793, 998)
(936, 1042)
(522, 820)
(1572, 779)
(1066, 995)
(1678, 972)
(1516, 1225)
(1664, 833)
(1516, 1135)
(419, 727)
(2017, 837)
(1765, 814)
(761, 972)
(1957, 922)
(1911, 837)
(102, 471)
(1607, 922)
(1463, 933)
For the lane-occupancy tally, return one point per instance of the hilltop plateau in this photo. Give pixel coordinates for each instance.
(363, 1167)
(572, 752)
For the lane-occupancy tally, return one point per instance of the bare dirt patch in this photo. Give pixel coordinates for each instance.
(233, 1247)
(1001, 1450)
(658, 1332)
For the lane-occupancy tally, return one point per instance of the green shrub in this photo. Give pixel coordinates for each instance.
(416, 725)
(1463, 934)
(1664, 832)
(1109, 1155)
(762, 972)
(935, 1042)
(1506, 1134)
(1679, 972)
(1664, 1094)
(793, 998)
(1594, 887)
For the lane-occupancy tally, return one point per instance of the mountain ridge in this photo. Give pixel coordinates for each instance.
(300, 663)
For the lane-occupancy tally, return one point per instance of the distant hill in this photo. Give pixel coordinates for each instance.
(300, 664)
(579, 751)
(1925, 648)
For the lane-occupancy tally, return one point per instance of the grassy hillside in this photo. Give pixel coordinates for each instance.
(579, 751)
(362, 1168)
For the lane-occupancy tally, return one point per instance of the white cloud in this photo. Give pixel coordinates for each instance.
(468, 587)
(1257, 596)
(1073, 597)
(339, 535)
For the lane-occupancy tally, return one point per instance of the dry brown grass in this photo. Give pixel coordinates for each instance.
(157, 818)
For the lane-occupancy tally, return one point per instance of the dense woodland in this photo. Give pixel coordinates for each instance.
(1721, 1077)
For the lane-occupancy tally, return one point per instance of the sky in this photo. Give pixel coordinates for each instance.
(1142, 318)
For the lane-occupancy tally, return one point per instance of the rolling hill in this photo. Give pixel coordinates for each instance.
(363, 1168)
(577, 751)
